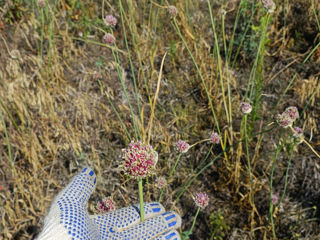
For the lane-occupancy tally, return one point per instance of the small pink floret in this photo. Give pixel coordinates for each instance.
(105, 205)
(173, 11)
(110, 20)
(108, 38)
(182, 146)
(245, 107)
(215, 138)
(299, 132)
(201, 199)
(292, 112)
(161, 182)
(274, 199)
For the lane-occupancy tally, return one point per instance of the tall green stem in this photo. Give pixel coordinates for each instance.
(141, 200)
(195, 219)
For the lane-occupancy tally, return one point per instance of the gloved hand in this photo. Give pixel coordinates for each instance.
(68, 217)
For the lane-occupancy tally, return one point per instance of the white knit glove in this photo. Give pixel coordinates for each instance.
(68, 217)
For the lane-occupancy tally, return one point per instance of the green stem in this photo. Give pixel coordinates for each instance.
(274, 163)
(170, 175)
(195, 219)
(141, 199)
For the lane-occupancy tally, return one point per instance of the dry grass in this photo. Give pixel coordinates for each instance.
(58, 118)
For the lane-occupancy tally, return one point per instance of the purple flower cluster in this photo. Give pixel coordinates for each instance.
(269, 5)
(286, 118)
(182, 146)
(105, 205)
(108, 38)
(161, 182)
(110, 20)
(139, 160)
(215, 138)
(245, 107)
(201, 200)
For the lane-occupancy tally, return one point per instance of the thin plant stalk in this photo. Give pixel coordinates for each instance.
(274, 163)
(140, 186)
(195, 219)
(286, 176)
(248, 159)
(170, 175)
(219, 62)
(133, 117)
(176, 27)
(131, 63)
(115, 110)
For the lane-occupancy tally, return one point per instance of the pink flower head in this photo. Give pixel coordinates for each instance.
(41, 3)
(245, 107)
(274, 199)
(284, 120)
(269, 5)
(108, 38)
(110, 20)
(139, 160)
(201, 200)
(173, 11)
(161, 182)
(292, 112)
(215, 138)
(105, 205)
(299, 132)
(182, 146)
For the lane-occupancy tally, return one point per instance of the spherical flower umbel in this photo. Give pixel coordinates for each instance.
(245, 107)
(105, 205)
(274, 199)
(182, 146)
(292, 113)
(41, 3)
(201, 199)
(139, 160)
(161, 182)
(269, 5)
(173, 11)
(215, 138)
(284, 120)
(108, 38)
(110, 20)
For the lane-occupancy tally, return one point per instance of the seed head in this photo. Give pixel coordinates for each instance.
(161, 182)
(201, 199)
(108, 38)
(139, 160)
(173, 11)
(269, 5)
(245, 107)
(182, 146)
(110, 20)
(105, 205)
(215, 138)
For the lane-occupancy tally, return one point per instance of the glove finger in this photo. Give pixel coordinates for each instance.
(170, 235)
(151, 228)
(127, 217)
(80, 187)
